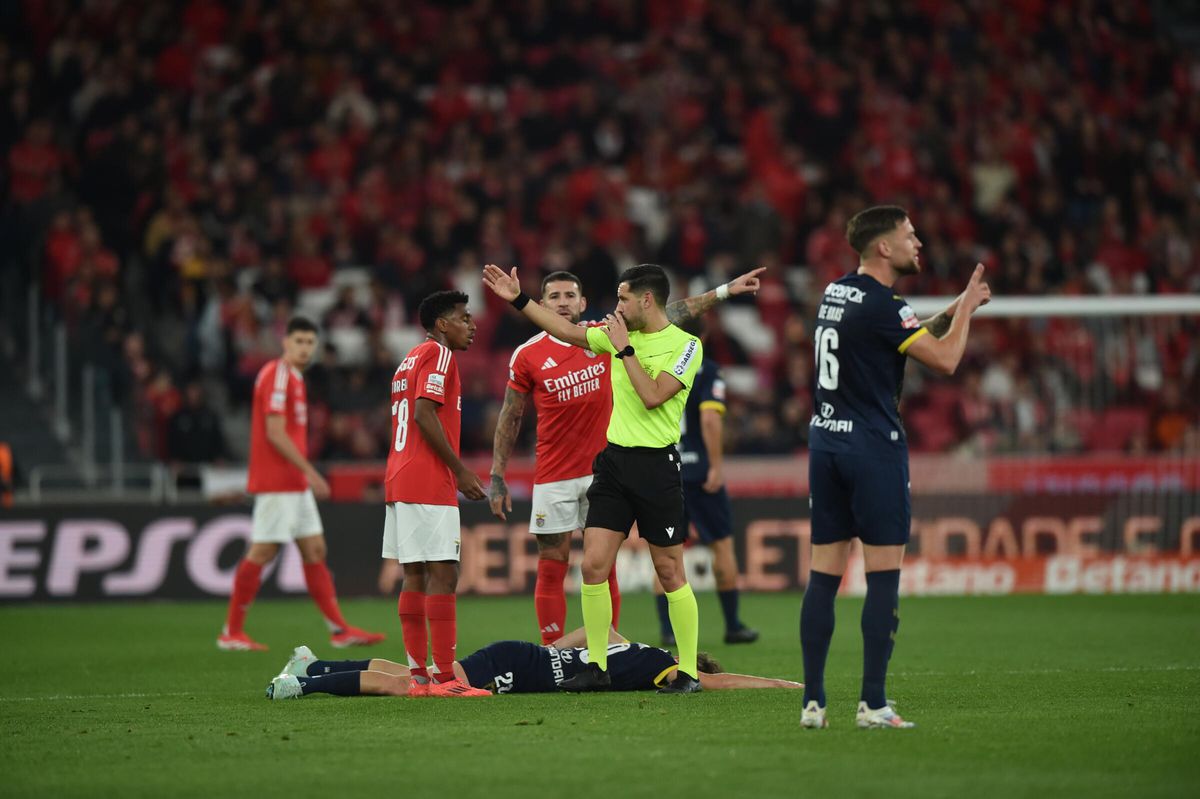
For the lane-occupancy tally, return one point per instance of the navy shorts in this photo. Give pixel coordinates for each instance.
(711, 514)
(856, 496)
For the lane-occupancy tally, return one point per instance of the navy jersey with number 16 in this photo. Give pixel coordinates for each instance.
(863, 330)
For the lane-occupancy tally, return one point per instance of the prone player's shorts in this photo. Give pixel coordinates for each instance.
(282, 516)
(710, 514)
(639, 484)
(560, 507)
(414, 533)
(855, 496)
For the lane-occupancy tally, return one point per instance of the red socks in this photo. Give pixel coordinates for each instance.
(614, 591)
(411, 608)
(320, 588)
(443, 633)
(549, 601)
(245, 587)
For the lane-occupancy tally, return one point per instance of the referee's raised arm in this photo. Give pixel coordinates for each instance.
(508, 287)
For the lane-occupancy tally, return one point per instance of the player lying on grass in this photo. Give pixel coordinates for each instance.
(507, 667)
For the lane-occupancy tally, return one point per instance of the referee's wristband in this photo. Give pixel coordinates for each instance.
(723, 291)
(520, 301)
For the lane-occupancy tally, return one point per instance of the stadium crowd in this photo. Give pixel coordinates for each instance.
(183, 177)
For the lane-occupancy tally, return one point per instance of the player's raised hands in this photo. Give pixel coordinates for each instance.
(977, 292)
(617, 330)
(747, 283)
(506, 286)
(469, 483)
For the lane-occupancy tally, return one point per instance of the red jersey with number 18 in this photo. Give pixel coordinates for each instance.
(415, 474)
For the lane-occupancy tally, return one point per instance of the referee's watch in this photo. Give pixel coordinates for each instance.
(625, 352)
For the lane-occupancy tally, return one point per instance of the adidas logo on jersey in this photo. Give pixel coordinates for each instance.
(549, 364)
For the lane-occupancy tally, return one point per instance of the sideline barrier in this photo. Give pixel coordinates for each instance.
(962, 544)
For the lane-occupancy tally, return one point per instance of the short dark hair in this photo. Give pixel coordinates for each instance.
(707, 664)
(560, 276)
(302, 324)
(866, 226)
(437, 305)
(648, 277)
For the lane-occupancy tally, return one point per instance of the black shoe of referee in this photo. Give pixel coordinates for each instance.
(592, 678)
(682, 684)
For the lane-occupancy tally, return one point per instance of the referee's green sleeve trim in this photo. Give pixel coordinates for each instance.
(598, 341)
(904, 345)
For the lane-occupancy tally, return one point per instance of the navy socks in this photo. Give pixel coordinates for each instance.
(339, 683)
(816, 631)
(880, 620)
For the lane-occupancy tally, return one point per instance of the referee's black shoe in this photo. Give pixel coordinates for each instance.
(682, 684)
(742, 635)
(592, 678)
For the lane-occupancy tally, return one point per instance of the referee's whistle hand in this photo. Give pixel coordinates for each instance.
(617, 330)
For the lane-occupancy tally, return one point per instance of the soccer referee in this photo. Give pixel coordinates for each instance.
(635, 477)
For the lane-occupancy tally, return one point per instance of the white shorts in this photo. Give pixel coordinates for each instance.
(284, 516)
(560, 507)
(415, 533)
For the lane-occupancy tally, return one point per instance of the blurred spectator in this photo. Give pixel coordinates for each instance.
(194, 432)
(192, 173)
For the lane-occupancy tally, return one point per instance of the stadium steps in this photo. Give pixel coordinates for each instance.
(25, 425)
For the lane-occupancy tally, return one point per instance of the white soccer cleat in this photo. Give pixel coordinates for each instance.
(883, 718)
(298, 663)
(813, 716)
(285, 686)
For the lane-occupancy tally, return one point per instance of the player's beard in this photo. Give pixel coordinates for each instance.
(913, 267)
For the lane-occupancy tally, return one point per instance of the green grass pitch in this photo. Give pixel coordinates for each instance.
(1013, 697)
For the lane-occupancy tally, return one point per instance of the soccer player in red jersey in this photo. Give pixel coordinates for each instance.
(572, 395)
(285, 486)
(424, 475)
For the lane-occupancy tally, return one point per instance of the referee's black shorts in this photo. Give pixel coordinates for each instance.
(639, 484)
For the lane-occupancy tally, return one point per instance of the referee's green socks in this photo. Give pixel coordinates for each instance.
(597, 618)
(685, 621)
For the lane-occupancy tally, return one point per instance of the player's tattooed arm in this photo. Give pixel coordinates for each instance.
(938, 325)
(682, 310)
(507, 428)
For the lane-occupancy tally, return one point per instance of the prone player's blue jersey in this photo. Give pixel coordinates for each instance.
(708, 391)
(520, 667)
(863, 330)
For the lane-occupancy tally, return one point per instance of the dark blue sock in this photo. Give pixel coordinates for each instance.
(340, 683)
(816, 631)
(320, 667)
(880, 619)
(664, 616)
(729, 606)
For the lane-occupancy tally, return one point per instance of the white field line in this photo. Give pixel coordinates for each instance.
(969, 673)
(991, 672)
(68, 697)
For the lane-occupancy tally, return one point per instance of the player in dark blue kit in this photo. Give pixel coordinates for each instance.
(508, 667)
(858, 459)
(705, 501)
